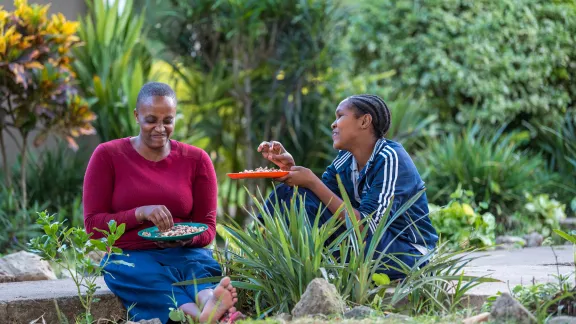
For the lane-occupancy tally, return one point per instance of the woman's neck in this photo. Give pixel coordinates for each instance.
(148, 152)
(362, 152)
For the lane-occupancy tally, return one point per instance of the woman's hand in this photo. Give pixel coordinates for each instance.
(157, 214)
(277, 154)
(301, 177)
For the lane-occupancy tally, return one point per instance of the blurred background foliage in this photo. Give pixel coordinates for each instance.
(481, 93)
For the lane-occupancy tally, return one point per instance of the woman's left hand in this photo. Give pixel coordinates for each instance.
(172, 244)
(299, 176)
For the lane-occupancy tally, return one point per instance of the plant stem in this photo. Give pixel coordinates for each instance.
(24, 157)
(5, 159)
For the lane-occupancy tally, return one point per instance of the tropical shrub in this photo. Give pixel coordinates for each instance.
(36, 82)
(491, 164)
(495, 61)
(112, 64)
(462, 223)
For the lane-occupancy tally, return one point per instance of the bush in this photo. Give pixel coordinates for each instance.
(556, 137)
(18, 225)
(277, 260)
(539, 214)
(490, 164)
(461, 223)
(36, 82)
(489, 60)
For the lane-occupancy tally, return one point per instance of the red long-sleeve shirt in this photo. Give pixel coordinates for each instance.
(118, 180)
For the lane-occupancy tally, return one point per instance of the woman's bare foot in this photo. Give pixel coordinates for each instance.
(222, 300)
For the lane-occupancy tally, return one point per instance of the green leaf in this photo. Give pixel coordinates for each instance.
(101, 246)
(381, 279)
(566, 236)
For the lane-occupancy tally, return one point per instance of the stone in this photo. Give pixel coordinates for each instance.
(283, 317)
(151, 321)
(506, 308)
(320, 297)
(562, 320)
(26, 266)
(480, 318)
(359, 312)
(533, 239)
(6, 272)
(509, 242)
(506, 239)
(398, 317)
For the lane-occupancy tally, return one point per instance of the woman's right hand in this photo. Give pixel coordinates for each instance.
(277, 154)
(157, 214)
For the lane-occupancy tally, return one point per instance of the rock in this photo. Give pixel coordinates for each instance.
(505, 239)
(509, 242)
(320, 297)
(398, 317)
(6, 272)
(26, 266)
(533, 239)
(562, 320)
(152, 321)
(284, 317)
(359, 312)
(506, 308)
(480, 318)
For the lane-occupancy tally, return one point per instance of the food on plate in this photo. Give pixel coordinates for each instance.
(260, 169)
(178, 230)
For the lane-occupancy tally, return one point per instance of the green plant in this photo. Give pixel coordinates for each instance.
(69, 248)
(277, 258)
(487, 60)
(436, 284)
(112, 65)
(543, 299)
(55, 179)
(462, 224)
(540, 214)
(489, 163)
(557, 138)
(18, 225)
(36, 82)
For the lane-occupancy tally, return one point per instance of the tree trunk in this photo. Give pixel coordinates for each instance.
(23, 163)
(5, 165)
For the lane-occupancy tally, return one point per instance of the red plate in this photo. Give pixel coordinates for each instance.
(258, 175)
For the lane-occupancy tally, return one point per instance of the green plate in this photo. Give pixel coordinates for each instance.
(154, 233)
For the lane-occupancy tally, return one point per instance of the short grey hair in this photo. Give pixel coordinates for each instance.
(154, 89)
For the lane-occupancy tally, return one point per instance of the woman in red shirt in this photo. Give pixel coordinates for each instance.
(152, 180)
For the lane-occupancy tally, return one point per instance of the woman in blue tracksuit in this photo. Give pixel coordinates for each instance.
(375, 172)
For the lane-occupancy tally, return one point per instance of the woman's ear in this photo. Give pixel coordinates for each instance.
(366, 121)
(136, 115)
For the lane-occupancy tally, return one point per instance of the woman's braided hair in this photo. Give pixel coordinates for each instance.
(376, 107)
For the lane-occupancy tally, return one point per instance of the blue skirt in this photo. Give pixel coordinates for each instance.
(148, 285)
(389, 243)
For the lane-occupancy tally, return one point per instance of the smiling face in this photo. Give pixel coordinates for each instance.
(348, 128)
(156, 117)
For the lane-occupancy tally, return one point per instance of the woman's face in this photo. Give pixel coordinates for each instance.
(156, 117)
(347, 128)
